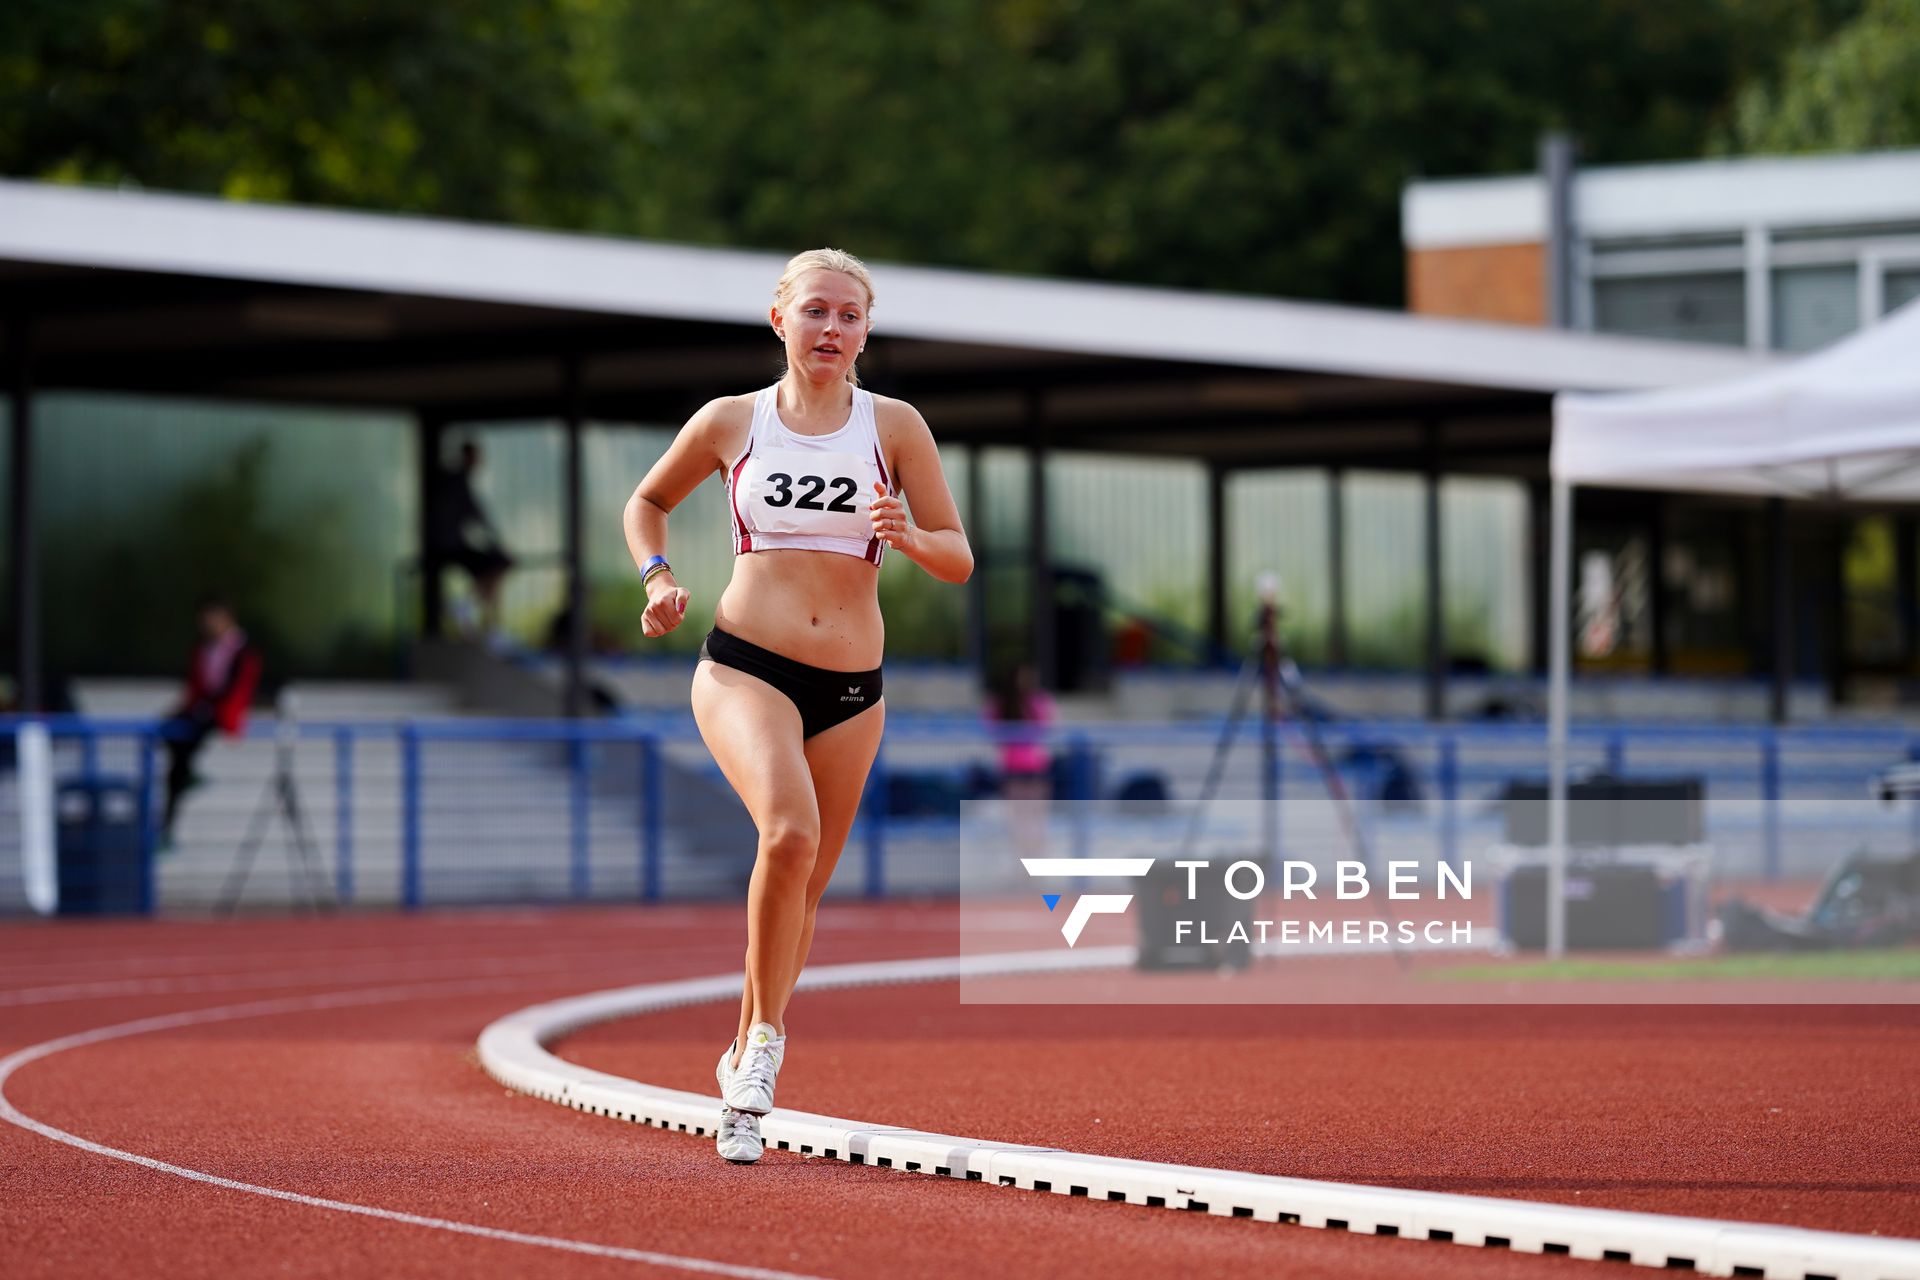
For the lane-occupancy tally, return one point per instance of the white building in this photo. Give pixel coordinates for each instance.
(1785, 253)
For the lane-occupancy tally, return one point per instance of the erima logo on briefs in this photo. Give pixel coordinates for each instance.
(1088, 905)
(853, 694)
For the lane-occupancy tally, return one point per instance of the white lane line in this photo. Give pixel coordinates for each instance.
(314, 977)
(592, 940)
(220, 963)
(307, 1004)
(513, 1051)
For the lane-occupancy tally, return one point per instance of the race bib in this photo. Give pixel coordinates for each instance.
(820, 494)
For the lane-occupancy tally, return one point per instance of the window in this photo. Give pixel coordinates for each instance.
(1898, 288)
(1813, 306)
(1709, 307)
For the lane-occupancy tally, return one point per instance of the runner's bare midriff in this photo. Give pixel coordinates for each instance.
(817, 607)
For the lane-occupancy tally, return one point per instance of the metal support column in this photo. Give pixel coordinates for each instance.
(1337, 568)
(978, 643)
(1217, 557)
(1039, 558)
(1436, 585)
(429, 434)
(24, 582)
(574, 517)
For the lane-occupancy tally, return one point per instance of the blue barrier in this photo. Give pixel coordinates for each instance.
(343, 814)
(410, 817)
(574, 792)
(649, 820)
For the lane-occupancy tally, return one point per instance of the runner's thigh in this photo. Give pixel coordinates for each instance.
(753, 731)
(840, 759)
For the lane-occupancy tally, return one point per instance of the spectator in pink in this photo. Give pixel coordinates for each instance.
(1026, 766)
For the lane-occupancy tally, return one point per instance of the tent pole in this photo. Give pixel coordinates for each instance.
(1559, 625)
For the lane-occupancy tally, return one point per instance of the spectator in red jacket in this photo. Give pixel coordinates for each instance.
(220, 685)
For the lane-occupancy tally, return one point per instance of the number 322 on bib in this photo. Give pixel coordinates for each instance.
(814, 493)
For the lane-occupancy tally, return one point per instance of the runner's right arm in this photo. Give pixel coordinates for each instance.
(692, 457)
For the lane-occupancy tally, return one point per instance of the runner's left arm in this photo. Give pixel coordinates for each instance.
(928, 528)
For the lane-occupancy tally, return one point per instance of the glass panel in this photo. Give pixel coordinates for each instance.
(1277, 522)
(1488, 579)
(1695, 308)
(1135, 531)
(1813, 306)
(1706, 618)
(1874, 633)
(1385, 544)
(1898, 288)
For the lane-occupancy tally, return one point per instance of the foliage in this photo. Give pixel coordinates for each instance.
(1254, 146)
(465, 108)
(1857, 90)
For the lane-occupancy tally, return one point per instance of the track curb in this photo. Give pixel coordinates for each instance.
(513, 1051)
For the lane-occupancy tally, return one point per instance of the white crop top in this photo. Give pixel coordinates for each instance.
(810, 493)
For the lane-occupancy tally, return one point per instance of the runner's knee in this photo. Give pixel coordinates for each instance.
(789, 846)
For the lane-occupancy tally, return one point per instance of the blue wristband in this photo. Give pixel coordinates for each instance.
(653, 565)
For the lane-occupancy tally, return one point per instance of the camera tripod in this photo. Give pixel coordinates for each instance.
(1283, 693)
(280, 796)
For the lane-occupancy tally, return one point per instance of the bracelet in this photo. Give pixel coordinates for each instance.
(654, 564)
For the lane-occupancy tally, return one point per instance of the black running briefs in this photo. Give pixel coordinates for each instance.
(824, 698)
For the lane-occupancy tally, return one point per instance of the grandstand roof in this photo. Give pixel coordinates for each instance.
(166, 294)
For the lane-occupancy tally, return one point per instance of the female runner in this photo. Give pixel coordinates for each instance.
(787, 690)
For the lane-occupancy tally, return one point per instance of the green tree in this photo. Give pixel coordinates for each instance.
(1857, 90)
(1247, 145)
(462, 107)
(1252, 146)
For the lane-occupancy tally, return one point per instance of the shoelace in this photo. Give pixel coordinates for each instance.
(757, 1067)
(733, 1123)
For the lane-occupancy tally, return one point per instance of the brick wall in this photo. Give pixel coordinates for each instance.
(1503, 282)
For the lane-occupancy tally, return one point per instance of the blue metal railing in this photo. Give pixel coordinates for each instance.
(600, 798)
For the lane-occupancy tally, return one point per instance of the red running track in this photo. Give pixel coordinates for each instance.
(382, 1104)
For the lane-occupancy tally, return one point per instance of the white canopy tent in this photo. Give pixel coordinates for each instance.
(1842, 424)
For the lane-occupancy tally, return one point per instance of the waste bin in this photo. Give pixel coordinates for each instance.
(1079, 632)
(102, 865)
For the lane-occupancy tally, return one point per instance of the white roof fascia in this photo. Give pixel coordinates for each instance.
(1776, 192)
(396, 254)
(1469, 212)
(1695, 198)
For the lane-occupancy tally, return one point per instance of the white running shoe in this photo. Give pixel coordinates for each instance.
(724, 1071)
(750, 1086)
(738, 1140)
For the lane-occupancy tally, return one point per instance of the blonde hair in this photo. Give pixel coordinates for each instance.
(824, 260)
